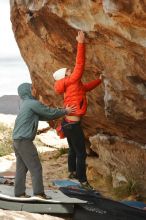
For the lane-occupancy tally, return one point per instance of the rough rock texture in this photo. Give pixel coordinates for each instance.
(121, 160)
(45, 31)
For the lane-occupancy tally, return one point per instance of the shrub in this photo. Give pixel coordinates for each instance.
(5, 140)
(128, 189)
(60, 152)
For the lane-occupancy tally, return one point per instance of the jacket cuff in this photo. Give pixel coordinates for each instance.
(81, 44)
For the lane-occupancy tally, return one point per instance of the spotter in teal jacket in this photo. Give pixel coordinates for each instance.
(31, 112)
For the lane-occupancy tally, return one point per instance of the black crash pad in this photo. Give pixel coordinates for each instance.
(100, 208)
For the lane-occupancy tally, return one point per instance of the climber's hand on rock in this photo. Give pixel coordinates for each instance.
(101, 76)
(80, 37)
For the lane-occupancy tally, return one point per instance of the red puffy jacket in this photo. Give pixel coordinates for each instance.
(72, 87)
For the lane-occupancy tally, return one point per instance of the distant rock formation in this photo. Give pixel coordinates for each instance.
(9, 104)
(45, 31)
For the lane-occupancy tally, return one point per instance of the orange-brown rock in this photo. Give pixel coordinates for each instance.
(120, 159)
(45, 31)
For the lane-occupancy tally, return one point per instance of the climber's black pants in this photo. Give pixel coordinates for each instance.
(77, 150)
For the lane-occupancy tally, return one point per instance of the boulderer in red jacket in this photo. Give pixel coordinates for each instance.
(71, 85)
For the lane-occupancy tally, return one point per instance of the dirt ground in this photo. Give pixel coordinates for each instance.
(53, 155)
(54, 164)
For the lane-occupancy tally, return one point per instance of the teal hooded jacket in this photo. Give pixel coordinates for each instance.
(30, 113)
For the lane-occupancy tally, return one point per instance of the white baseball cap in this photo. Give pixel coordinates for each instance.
(59, 74)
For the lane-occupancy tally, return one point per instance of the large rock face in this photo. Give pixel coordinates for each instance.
(45, 31)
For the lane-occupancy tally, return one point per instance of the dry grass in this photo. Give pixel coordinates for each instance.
(131, 188)
(5, 140)
(60, 152)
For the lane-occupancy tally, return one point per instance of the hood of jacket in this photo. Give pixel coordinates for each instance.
(25, 91)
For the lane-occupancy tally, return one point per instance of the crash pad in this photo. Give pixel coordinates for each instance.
(66, 183)
(60, 203)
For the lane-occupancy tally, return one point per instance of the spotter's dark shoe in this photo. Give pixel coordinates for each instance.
(24, 195)
(43, 196)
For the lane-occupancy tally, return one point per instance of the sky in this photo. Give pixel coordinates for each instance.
(8, 46)
(13, 70)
